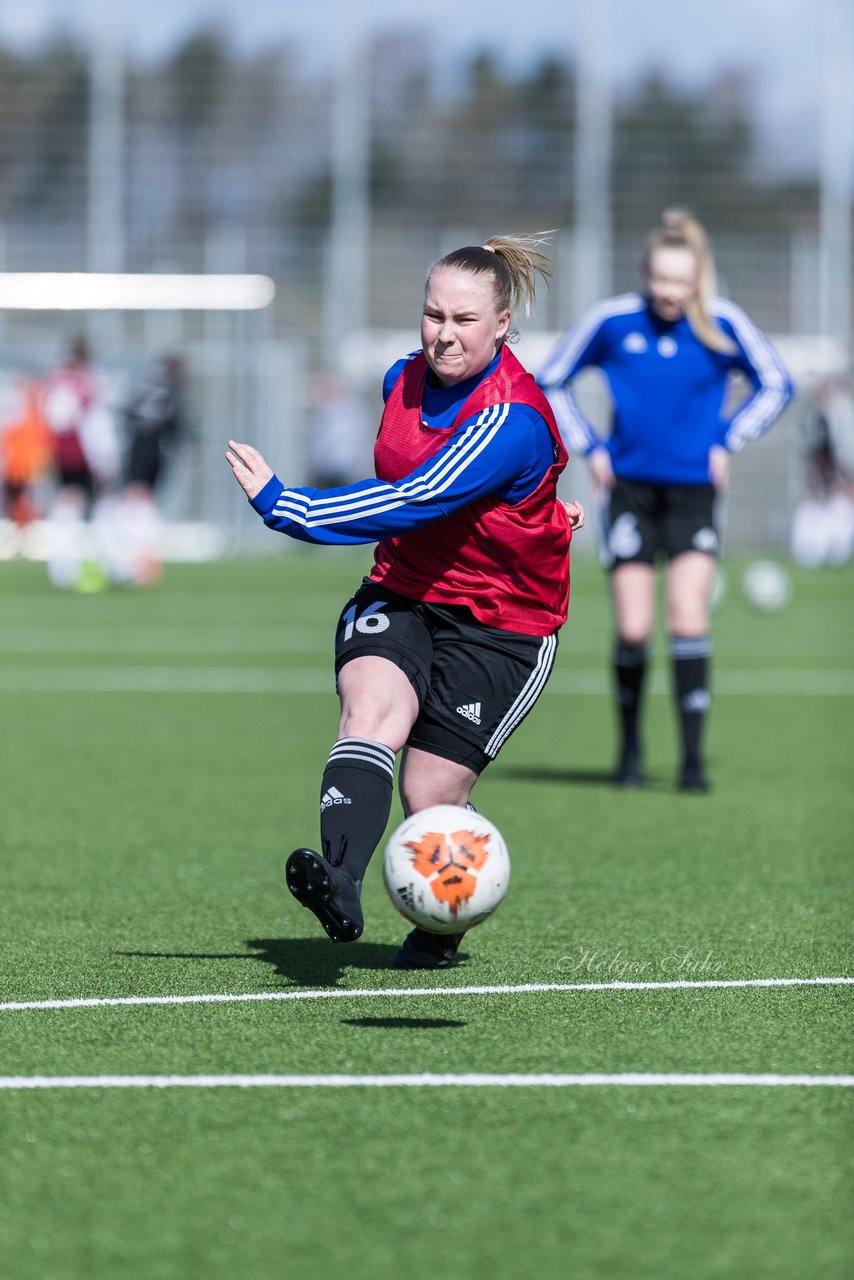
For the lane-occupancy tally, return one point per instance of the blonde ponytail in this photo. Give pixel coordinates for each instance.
(522, 257)
(679, 230)
(514, 262)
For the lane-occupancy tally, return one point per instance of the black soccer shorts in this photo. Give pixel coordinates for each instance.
(475, 683)
(643, 521)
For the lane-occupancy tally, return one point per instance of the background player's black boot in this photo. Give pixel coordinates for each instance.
(691, 663)
(629, 770)
(423, 950)
(329, 891)
(692, 778)
(630, 663)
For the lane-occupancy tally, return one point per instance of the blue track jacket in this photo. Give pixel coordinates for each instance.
(668, 389)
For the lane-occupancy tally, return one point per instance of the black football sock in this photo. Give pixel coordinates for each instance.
(630, 662)
(690, 655)
(355, 802)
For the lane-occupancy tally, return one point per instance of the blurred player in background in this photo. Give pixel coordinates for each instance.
(25, 451)
(667, 355)
(86, 460)
(155, 424)
(822, 530)
(444, 650)
(340, 435)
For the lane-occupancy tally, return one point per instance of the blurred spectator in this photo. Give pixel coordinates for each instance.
(823, 523)
(340, 433)
(25, 452)
(86, 458)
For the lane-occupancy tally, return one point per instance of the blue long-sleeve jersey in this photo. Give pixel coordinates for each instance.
(505, 451)
(667, 388)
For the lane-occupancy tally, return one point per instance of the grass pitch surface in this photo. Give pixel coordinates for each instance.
(161, 754)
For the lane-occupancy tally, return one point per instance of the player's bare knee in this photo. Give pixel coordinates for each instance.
(424, 796)
(634, 633)
(687, 622)
(361, 722)
(444, 783)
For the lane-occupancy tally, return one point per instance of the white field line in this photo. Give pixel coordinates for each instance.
(141, 642)
(310, 680)
(157, 679)
(212, 636)
(421, 1081)
(361, 993)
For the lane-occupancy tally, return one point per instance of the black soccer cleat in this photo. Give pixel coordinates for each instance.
(329, 891)
(423, 950)
(629, 771)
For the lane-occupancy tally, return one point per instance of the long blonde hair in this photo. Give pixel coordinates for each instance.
(679, 230)
(513, 262)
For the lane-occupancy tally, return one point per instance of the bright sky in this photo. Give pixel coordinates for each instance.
(776, 41)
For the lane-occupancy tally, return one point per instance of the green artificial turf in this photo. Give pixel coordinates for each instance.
(161, 754)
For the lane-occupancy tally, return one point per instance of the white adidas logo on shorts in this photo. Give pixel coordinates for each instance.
(471, 711)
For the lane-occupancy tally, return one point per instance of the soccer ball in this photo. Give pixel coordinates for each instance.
(766, 585)
(446, 868)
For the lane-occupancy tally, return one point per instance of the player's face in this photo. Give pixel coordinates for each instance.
(671, 281)
(460, 327)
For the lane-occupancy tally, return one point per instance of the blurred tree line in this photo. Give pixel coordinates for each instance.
(214, 140)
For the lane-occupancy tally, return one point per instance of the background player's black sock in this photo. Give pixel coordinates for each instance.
(355, 802)
(629, 671)
(690, 655)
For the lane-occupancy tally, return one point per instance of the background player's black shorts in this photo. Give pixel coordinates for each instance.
(77, 478)
(145, 460)
(643, 521)
(475, 684)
